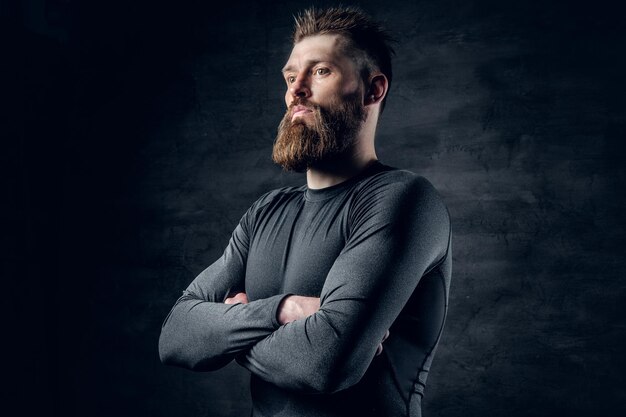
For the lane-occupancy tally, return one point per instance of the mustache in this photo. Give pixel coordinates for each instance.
(299, 101)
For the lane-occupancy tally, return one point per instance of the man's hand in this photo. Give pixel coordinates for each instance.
(240, 297)
(379, 350)
(296, 307)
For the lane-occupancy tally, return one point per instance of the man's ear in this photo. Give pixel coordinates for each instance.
(377, 89)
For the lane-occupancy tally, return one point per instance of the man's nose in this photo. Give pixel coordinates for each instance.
(300, 87)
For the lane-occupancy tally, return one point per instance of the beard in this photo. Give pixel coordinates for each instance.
(328, 137)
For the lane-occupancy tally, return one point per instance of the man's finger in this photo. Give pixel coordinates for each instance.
(379, 349)
(240, 297)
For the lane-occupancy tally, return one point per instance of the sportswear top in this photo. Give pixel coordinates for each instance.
(376, 249)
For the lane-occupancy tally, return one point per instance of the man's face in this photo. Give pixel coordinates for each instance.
(324, 104)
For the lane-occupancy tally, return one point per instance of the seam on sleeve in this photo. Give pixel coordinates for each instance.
(416, 380)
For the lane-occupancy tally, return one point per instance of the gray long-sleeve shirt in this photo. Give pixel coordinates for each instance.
(375, 249)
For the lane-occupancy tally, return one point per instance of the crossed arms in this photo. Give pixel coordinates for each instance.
(392, 243)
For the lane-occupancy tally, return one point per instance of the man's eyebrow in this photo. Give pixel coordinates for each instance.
(290, 68)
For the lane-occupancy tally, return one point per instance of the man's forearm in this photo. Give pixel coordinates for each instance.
(202, 335)
(201, 331)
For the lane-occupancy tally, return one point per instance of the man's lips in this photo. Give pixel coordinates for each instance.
(299, 110)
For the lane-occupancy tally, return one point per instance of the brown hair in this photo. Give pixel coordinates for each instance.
(367, 41)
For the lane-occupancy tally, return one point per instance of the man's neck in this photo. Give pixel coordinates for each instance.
(336, 172)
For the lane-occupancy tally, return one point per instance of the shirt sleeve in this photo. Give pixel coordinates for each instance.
(201, 332)
(398, 231)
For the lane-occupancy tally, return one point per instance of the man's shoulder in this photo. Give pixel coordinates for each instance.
(278, 195)
(391, 180)
(394, 191)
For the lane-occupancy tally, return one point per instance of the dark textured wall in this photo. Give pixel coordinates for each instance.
(141, 131)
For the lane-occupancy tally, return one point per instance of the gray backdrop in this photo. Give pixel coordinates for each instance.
(143, 132)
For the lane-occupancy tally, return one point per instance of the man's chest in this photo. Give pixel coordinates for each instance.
(293, 248)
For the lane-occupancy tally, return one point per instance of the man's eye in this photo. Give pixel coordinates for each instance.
(291, 79)
(321, 71)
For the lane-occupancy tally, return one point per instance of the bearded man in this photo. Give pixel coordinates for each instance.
(333, 294)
